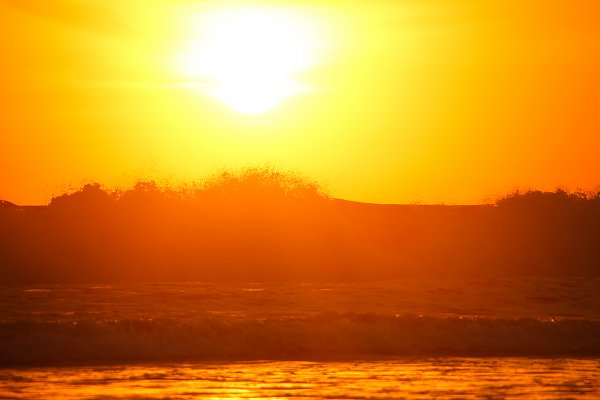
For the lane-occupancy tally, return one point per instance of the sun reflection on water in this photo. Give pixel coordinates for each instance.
(447, 378)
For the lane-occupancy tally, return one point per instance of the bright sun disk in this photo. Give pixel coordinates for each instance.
(250, 56)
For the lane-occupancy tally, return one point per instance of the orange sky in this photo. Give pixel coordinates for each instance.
(408, 101)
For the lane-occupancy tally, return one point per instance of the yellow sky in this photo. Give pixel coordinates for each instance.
(406, 101)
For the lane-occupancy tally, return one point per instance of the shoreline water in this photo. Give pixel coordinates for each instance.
(385, 339)
(449, 378)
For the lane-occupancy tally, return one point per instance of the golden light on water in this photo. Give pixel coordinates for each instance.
(249, 57)
(465, 378)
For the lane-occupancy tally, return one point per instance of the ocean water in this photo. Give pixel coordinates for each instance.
(444, 378)
(444, 338)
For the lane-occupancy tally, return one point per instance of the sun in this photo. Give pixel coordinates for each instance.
(249, 57)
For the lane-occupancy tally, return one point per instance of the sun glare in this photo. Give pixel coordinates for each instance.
(249, 57)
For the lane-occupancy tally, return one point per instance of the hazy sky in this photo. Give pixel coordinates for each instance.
(402, 101)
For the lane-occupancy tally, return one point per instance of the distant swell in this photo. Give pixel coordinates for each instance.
(327, 337)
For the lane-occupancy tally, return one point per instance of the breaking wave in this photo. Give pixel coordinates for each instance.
(326, 337)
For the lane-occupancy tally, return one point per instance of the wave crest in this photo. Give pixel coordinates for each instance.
(326, 337)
